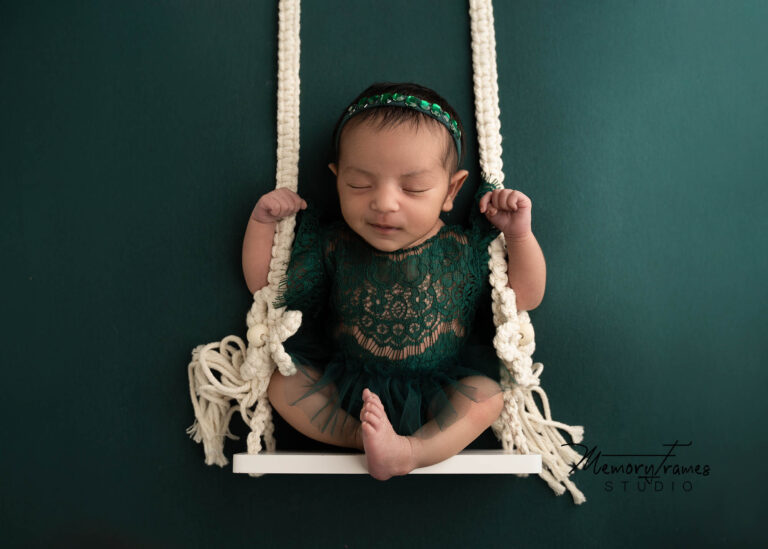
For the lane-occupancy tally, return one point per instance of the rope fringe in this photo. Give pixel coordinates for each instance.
(245, 372)
(521, 428)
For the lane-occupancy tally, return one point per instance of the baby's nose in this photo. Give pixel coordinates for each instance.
(385, 200)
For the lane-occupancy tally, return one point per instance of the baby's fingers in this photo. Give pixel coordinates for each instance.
(269, 204)
(290, 201)
(484, 201)
(298, 203)
(277, 204)
(505, 199)
(274, 204)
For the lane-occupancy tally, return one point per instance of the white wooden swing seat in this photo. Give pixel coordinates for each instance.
(468, 462)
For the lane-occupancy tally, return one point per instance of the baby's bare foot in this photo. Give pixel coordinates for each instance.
(387, 453)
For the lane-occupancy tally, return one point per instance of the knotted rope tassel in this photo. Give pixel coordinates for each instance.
(521, 428)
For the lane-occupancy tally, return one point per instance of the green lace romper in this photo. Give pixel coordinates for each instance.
(394, 322)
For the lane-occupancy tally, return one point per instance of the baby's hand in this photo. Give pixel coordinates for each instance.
(277, 204)
(508, 210)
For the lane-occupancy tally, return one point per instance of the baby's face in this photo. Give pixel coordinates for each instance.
(393, 183)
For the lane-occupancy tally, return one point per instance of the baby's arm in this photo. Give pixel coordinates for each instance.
(510, 211)
(257, 244)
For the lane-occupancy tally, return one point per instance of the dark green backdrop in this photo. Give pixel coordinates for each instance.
(136, 137)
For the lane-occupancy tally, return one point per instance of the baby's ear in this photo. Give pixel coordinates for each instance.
(333, 168)
(454, 186)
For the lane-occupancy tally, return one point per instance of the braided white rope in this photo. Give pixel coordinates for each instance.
(245, 374)
(521, 427)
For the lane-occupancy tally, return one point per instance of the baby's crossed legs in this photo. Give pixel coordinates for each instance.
(283, 391)
(387, 453)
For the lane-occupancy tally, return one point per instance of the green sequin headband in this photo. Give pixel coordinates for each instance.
(401, 100)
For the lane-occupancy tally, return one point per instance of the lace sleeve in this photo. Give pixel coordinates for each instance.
(305, 284)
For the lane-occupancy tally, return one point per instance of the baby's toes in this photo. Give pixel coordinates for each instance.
(373, 411)
(368, 431)
(373, 398)
(378, 406)
(373, 420)
(364, 411)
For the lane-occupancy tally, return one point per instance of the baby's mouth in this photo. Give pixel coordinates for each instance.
(383, 228)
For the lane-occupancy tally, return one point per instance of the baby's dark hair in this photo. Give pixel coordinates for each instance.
(387, 117)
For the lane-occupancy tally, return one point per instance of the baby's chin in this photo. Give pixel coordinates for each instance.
(382, 245)
(388, 240)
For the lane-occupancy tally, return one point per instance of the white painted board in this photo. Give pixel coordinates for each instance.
(468, 462)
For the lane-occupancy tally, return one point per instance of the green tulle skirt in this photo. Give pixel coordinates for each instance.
(331, 387)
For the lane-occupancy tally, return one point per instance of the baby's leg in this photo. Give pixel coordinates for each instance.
(478, 397)
(389, 454)
(309, 415)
